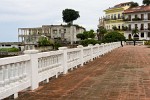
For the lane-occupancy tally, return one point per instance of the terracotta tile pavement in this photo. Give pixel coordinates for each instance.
(123, 74)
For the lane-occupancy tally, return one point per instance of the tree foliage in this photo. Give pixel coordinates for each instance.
(44, 41)
(146, 2)
(134, 4)
(81, 36)
(86, 42)
(114, 28)
(135, 31)
(113, 36)
(69, 15)
(100, 32)
(86, 35)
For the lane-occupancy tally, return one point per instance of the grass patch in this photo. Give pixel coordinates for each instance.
(9, 49)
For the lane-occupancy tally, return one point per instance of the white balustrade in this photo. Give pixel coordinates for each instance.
(73, 58)
(13, 77)
(21, 72)
(87, 54)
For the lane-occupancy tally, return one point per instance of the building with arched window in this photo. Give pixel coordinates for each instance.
(138, 18)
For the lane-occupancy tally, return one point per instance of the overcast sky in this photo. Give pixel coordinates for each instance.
(16, 14)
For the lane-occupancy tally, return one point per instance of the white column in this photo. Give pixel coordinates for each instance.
(34, 68)
(64, 61)
(81, 55)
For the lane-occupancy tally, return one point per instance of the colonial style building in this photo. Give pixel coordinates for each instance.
(114, 16)
(138, 18)
(30, 36)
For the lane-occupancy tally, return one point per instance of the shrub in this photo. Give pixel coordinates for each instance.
(9, 49)
(89, 41)
(44, 41)
(147, 43)
(57, 45)
(113, 36)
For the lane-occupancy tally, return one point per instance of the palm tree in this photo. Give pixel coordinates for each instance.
(100, 32)
(135, 32)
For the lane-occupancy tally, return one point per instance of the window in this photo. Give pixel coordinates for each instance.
(111, 16)
(148, 16)
(129, 17)
(136, 26)
(114, 16)
(54, 31)
(148, 26)
(142, 16)
(142, 34)
(64, 30)
(129, 27)
(119, 27)
(118, 16)
(142, 26)
(148, 35)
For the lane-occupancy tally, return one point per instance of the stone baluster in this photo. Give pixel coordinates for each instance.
(1, 77)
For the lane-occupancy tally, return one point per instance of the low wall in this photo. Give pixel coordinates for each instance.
(27, 71)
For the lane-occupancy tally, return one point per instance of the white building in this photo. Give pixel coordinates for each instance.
(18, 45)
(138, 17)
(30, 36)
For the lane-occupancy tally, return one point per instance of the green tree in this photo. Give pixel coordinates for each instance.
(86, 42)
(91, 34)
(81, 36)
(44, 41)
(100, 32)
(135, 32)
(113, 36)
(114, 28)
(69, 15)
(146, 2)
(86, 35)
(134, 4)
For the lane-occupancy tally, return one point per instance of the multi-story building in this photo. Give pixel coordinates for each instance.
(114, 16)
(138, 18)
(30, 36)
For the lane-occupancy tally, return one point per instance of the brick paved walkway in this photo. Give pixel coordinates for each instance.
(123, 74)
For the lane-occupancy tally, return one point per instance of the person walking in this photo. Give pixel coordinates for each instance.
(121, 43)
(134, 42)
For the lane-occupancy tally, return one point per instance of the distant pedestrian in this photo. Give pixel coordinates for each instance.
(121, 44)
(134, 42)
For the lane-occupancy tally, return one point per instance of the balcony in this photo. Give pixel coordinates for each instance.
(108, 19)
(136, 19)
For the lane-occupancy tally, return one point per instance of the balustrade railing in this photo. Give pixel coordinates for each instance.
(27, 71)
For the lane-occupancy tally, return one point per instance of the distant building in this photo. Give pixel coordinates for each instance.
(114, 16)
(18, 45)
(138, 17)
(30, 36)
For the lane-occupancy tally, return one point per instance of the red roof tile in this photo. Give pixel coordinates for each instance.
(137, 9)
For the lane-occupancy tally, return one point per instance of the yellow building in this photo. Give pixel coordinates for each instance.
(114, 16)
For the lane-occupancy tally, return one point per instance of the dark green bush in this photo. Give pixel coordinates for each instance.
(113, 36)
(89, 41)
(9, 49)
(44, 41)
(147, 43)
(57, 45)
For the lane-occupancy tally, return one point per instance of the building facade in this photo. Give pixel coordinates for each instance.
(137, 18)
(30, 36)
(114, 16)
